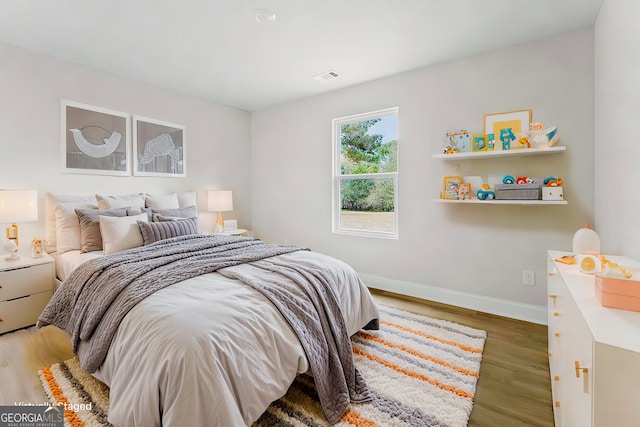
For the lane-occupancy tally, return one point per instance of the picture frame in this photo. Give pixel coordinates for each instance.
(479, 142)
(94, 140)
(230, 224)
(508, 127)
(159, 148)
(464, 191)
(450, 186)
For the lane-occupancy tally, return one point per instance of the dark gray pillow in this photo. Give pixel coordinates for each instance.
(90, 237)
(155, 231)
(188, 212)
(160, 218)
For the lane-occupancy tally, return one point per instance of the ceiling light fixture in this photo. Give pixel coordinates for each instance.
(264, 16)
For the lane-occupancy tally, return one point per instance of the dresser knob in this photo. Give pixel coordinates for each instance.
(1, 320)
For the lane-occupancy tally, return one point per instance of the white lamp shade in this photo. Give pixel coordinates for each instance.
(18, 206)
(220, 201)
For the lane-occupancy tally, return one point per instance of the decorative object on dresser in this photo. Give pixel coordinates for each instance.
(220, 201)
(594, 351)
(17, 206)
(94, 140)
(26, 286)
(159, 148)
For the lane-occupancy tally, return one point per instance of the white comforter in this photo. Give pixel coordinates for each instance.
(211, 351)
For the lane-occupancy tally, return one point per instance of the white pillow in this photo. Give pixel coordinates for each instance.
(171, 200)
(133, 201)
(186, 199)
(120, 233)
(162, 201)
(50, 203)
(68, 225)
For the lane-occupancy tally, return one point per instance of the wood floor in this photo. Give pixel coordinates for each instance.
(513, 389)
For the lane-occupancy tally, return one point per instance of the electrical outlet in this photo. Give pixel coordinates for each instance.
(528, 278)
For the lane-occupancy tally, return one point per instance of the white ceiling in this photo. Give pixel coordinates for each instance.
(216, 50)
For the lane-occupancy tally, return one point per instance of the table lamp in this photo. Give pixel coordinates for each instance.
(220, 201)
(17, 206)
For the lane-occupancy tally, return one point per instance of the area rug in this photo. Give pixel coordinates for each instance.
(421, 372)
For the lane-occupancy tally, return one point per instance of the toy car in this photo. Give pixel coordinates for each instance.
(485, 193)
(508, 179)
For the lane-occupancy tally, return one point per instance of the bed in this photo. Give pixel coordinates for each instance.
(211, 348)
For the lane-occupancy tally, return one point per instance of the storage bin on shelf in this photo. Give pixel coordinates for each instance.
(517, 191)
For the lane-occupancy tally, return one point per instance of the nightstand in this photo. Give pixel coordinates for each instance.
(26, 286)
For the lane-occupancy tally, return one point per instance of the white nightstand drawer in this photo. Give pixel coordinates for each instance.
(26, 281)
(21, 312)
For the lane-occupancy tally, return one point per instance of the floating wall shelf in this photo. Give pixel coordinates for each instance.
(500, 153)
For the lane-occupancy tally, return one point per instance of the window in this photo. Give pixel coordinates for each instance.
(365, 183)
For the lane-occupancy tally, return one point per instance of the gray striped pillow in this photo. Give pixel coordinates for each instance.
(154, 231)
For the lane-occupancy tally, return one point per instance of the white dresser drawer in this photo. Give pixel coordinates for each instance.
(23, 281)
(22, 312)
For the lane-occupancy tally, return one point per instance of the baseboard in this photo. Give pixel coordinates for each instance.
(497, 306)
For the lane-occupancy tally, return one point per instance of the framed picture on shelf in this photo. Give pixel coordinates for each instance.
(94, 140)
(464, 191)
(479, 142)
(507, 128)
(450, 186)
(159, 148)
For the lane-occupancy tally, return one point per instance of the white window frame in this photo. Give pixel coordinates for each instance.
(338, 177)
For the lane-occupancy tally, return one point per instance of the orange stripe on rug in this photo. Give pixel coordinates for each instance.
(432, 337)
(419, 354)
(354, 418)
(59, 396)
(422, 377)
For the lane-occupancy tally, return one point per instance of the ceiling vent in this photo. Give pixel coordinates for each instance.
(325, 77)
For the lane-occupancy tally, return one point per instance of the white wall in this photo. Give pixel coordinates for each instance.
(467, 255)
(617, 139)
(31, 87)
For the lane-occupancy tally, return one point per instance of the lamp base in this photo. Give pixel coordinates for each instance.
(12, 232)
(12, 257)
(219, 223)
(10, 247)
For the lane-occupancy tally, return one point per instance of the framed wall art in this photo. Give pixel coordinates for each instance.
(159, 148)
(94, 140)
(507, 128)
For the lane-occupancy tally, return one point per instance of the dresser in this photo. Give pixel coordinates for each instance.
(594, 351)
(26, 286)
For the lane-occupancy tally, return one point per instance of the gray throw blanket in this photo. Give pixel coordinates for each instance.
(309, 304)
(92, 302)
